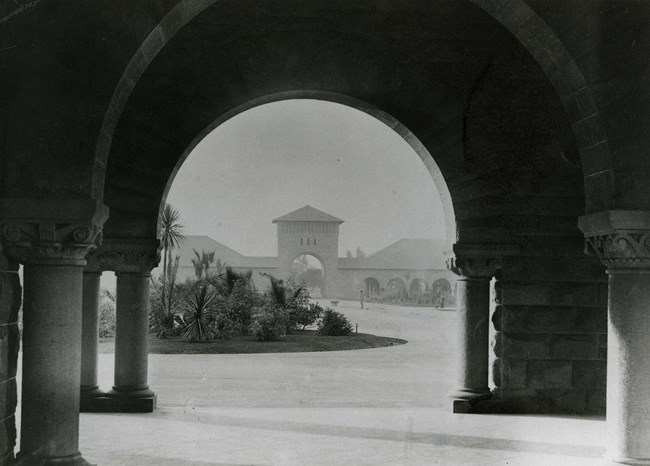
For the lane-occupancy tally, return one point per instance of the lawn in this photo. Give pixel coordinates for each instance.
(304, 341)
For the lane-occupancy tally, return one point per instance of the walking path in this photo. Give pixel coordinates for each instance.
(383, 406)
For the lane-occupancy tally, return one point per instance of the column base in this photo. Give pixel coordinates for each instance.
(468, 401)
(121, 404)
(127, 392)
(72, 460)
(623, 460)
(87, 395)
(472, 394)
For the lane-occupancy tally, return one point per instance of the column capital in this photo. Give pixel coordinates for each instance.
(50, 231)
(479, 260)
(619, 238)
(126, 255)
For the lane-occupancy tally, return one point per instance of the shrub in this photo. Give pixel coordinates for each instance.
(269, 323)
(199, 314)
(303, 316)
(334, 324)
(236, 308)
(106, 319)
(170, 325)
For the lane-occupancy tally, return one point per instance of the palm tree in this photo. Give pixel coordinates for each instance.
(202, 263)
(221, 266)
(232, 277)
(281, 294)
(171, 237)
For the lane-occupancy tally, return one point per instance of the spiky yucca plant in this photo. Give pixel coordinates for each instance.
(199, 314)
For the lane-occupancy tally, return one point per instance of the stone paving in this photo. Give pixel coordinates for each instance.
(384, 406)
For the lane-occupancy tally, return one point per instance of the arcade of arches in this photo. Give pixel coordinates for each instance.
(535, 113)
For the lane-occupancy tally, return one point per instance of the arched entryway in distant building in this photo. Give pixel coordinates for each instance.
(442, 293)
(308, 270)
(396, 289)
(372, 288)
(417, 288)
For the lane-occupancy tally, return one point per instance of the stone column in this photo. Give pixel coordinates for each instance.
(621, 239)
(52, 251)
(475, 264)
(90, 335)
(132, 261)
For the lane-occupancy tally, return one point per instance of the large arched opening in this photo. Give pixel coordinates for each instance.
(309, 272)
(372, 288)
(510, 173)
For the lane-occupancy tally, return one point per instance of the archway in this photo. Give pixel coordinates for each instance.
(395, 290)
(442, 293)
(372, 287)
(417, 288)
(445, 108)
(309, 271)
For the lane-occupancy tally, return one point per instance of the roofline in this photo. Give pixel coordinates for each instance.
(278, 220)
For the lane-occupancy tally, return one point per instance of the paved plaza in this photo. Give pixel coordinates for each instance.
(384, 406)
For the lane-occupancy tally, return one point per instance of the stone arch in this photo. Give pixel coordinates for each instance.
(384, 117)
(395, 289)
(372, 288)
(566, 77)
(443, 294)
(417, 287)
(320, 293)
(516, 16)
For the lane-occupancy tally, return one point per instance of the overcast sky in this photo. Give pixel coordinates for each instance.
(276, 158)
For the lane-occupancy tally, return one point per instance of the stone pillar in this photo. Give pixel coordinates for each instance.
(132, 261)
(52, 250)
(10, 302)
(90, 336)
(621, 239)
(475, 265)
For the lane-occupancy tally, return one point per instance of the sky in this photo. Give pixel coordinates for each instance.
(278, 157)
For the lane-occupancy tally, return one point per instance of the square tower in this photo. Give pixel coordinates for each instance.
(309, 231)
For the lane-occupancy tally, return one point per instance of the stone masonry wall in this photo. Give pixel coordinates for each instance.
(550, 340)
(10, 301)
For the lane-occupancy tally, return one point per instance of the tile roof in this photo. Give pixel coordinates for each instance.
(308, 214)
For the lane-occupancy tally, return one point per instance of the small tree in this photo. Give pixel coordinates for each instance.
(334, 324)
(201, 263)
(171, 237)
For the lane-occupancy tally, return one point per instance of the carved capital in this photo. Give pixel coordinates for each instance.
(620, 250)
(479, 260)
(125, 256)
(46, 242)
(51, 231)
(620, 239)
(474, 267)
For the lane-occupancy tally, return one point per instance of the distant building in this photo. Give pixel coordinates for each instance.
(409, 269)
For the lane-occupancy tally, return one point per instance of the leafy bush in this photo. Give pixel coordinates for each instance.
(106, 319)
(238, 306)
(269, 323)
(294, 300)
(334, 324)
(301, 317)
(199, 315)
(165, 326)
(165, 300)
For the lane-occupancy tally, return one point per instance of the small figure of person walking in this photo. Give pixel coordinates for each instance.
(361, 298)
